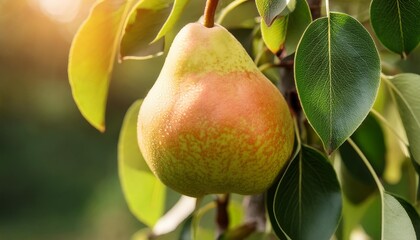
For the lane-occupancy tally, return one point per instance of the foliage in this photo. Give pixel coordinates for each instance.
(330, 72)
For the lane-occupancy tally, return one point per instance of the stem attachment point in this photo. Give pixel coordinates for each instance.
(209, 13)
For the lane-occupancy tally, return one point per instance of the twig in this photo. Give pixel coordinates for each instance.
(222, 215)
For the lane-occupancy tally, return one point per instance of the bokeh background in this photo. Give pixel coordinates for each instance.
(58, 175)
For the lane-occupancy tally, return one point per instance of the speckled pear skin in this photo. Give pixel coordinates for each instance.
(212, 122)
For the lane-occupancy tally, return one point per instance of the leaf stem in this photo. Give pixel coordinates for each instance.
(327, 8)
(315, 6)
(381, 188)
(298, 137)
(386, 123)
(196, 217)
(283, 64)
(368, 165)
(209, 13)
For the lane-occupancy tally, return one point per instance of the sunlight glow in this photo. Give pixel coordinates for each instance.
(60, 10)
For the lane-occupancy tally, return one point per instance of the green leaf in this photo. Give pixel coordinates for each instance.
(145, 22)
(269, 9)
(144, 193)
(412, 213)
(406, 88)
(337, 71)
(397, 24)
(372, 220)
(306, 203)
(369, 138)
(285, 32)
(176, 11)
(298, 21)
(92, 55)
(349, 181)
(270, 198)
(275, 35)
(396, 223)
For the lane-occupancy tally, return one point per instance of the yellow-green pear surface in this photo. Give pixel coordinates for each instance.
(212, 122)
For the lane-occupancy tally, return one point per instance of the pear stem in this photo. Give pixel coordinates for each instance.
(209, 13)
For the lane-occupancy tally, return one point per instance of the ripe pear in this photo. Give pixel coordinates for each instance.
(212, 122)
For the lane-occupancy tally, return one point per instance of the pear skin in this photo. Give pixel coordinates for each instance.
(212, 122)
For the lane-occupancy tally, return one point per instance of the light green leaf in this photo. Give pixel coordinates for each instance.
(144, 193)
(406, 88)
(285, 32)
(397, 24)
(92, 56)
(396, 223)
(337, 71)
(144, 24)
(269, 9)
(398, 217)
(275, 35)
(412, 213)
(298, 21)
(306, 203)
(176, 11)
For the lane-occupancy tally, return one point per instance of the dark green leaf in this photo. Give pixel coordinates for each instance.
(397, 24)
(144, 193)
(270, 198)
(92, 56)
(406, 88)
(299, 19)
(370, 139)
(335, 64)
(349, 182)
(146, 20)
(306, 203)
(270, 9)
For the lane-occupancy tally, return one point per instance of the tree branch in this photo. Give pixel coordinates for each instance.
(222, 215)
(315, 6)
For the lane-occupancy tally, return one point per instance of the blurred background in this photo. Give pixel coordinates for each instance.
(58, 175)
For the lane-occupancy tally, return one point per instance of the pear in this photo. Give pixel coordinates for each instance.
(212, 122)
